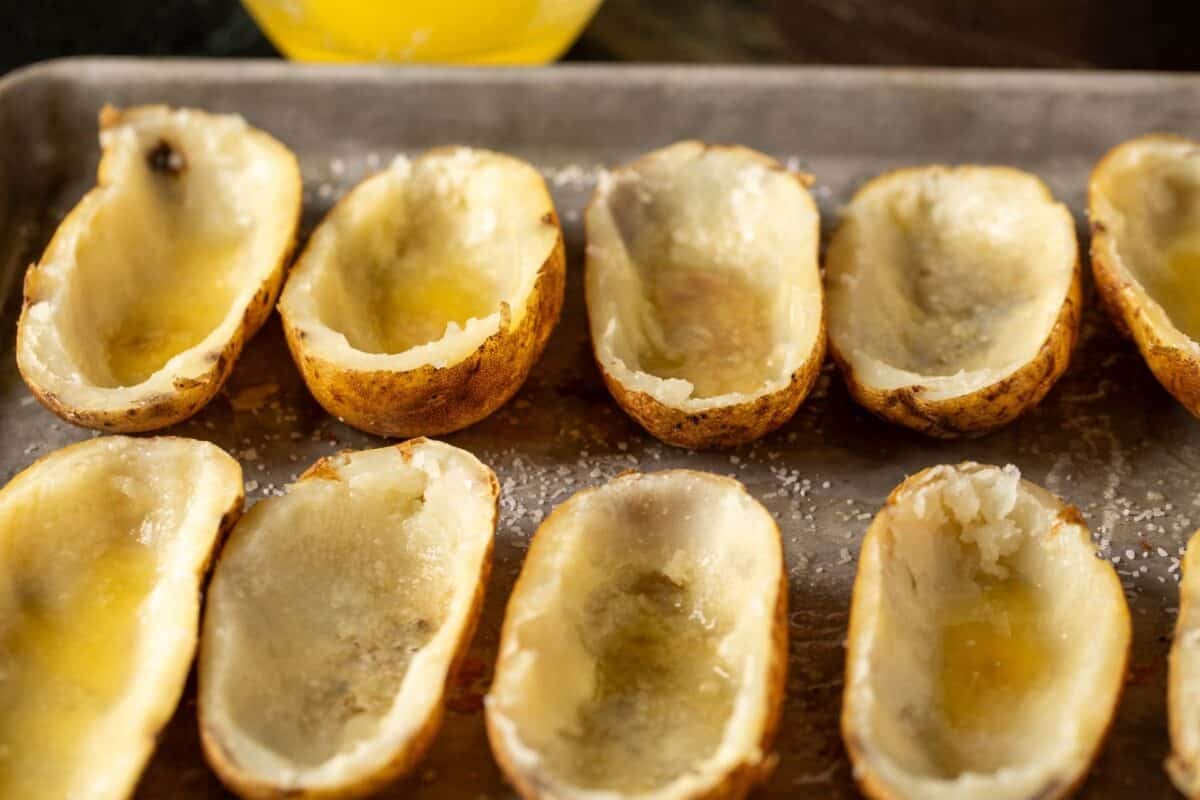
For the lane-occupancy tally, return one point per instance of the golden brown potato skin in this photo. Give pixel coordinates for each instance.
(1176, 369)
(725, 426)
(429, 400)
(190, 395)
(741, 780)
(227, 768)
(985, 409)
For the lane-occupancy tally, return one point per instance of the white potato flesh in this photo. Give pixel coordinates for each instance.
(702, 279)
(1147, 196)
(335, 611)
(102, 551)
(948, 278)
(414, 266)
(637, 642)
(1183, 706)
(988, 642)
(149, 276)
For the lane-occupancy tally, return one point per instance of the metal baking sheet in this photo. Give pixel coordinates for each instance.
(1107, 438)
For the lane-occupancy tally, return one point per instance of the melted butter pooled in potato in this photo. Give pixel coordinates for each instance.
(993, 654)
(412, 309)
(720, 347)
(661, 696)
(172, 315)
(65, 651)
(329, 646)
(1178, 290)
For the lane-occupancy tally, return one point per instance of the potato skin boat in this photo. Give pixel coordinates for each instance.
(185, 396)
(737, 781)
(729, 424)
(226, 763)
(986, 408)
(433, 400)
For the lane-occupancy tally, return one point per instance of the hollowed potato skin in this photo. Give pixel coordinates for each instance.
(724, 426)
(429, 400)
(867, 779)
(188, 395)
(166, 707)
(740, 780)
(1176, 369)
(229, 771)
(992, 406)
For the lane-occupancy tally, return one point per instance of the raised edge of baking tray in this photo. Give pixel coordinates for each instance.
(1107, 438)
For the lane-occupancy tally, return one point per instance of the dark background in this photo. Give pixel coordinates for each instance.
(1121, 34)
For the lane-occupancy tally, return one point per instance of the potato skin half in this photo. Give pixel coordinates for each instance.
(868, 781)
(985, 409)
(724, 426)
(225, 765)
(1176, 369)
(739, 781)
(430, 400)
(191, 394)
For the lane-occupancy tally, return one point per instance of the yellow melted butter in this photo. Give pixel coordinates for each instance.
(65, 657)
(993, 655)
(1181, 295)
(174, 314)
(414, 308)
(662, 694)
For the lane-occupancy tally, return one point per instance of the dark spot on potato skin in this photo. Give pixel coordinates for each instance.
(322, 470)
(1070, 515)
(166, 159)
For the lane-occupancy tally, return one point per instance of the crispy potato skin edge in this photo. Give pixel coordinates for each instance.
(867, 780)
(225, 765)
(985, 409)
(738, 781)
(1176, 369)
(189, 395)
(430, 401)
(724, 426)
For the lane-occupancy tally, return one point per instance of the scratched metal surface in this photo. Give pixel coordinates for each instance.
(1107, 438)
